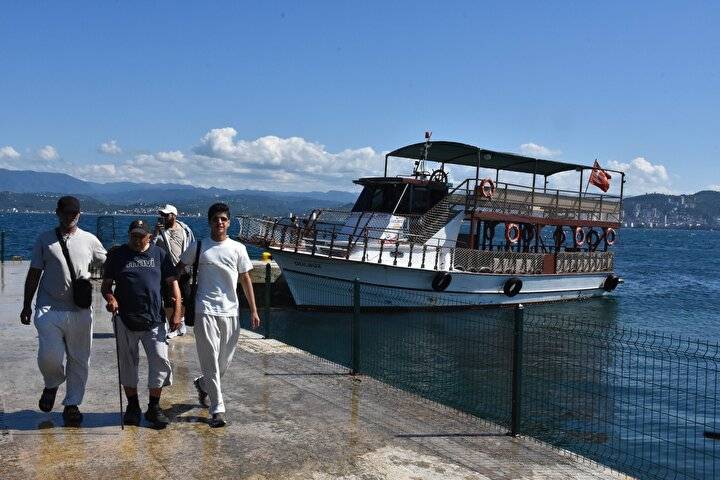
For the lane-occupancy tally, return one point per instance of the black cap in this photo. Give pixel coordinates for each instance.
(68, 204)
(138, 226)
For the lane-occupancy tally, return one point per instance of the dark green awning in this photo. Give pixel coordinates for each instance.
(455, 153)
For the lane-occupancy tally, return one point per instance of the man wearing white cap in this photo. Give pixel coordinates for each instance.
(174, 237)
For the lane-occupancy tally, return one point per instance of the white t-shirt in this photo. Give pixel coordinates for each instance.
(55, 285)
(220, 266)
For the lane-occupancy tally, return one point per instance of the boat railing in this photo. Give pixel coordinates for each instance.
(364, 247)
(538, 202)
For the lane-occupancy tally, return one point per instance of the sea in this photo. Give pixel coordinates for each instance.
(671, 277)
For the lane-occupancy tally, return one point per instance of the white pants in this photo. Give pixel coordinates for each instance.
(154, 342)
(216, 338)
(64, 334)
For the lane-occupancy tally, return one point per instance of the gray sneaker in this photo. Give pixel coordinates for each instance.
(217, 420)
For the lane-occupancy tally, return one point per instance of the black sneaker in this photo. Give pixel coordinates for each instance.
(72, 416)
(156, 416)
(132, 415)
(217, 420)
(47, 399)
(202, 394)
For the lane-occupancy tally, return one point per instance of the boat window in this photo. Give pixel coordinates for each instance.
(417, 199)
(378, 198)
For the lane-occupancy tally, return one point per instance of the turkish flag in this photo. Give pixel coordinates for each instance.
(600, 178)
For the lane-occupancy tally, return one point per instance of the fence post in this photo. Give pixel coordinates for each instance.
(355, 333)
(268, 298)
(2, 247)
(516, 369)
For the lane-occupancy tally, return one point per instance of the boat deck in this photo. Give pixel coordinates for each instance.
(291, 416)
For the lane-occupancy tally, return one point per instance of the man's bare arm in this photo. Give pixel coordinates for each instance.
(175, 321)
(32, 280)
(246, 283)
(107, 293)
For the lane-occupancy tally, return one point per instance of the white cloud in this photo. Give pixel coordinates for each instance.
(110, 148)
(643, 176)
(535, 150)
(48, 152)
(8, 152)
(281, 163)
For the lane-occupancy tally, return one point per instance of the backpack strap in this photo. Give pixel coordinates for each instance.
(66, 253)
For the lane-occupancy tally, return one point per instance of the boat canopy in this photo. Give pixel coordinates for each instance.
(456, 153)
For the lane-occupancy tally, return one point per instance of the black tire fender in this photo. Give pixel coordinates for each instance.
(512, 286)
(611, 282)
(441, 281)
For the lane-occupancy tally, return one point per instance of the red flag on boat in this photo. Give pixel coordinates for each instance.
(600, 178)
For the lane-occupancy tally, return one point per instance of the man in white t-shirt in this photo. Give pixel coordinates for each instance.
(223, 263)
(64, 329)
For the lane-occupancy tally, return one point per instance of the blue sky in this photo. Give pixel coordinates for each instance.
(308, 95)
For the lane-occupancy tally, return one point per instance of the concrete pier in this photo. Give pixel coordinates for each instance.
(291, 416)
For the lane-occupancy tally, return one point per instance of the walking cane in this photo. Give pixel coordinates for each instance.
(117, 356)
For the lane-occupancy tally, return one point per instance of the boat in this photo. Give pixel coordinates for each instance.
(421, 241)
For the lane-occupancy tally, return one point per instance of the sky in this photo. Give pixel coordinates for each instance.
(300, 96)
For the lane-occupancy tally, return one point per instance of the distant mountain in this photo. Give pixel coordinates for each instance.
(26, 181)
(43, 202)
(701, 209)
(30, 187)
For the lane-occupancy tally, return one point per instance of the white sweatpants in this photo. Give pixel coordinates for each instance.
(154, 342)
(64, 334)
(216, 338)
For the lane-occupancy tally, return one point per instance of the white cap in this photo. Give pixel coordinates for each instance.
(168, 209)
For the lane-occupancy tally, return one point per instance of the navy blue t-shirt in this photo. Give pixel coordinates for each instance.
(138, 279)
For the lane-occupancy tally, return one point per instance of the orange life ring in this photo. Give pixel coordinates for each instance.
(487, 188)
(578, 236)
(608, 233)
(512, 232)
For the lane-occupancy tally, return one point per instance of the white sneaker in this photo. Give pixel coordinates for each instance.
(177, 333)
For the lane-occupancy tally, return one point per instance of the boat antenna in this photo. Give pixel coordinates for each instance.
(420, 165)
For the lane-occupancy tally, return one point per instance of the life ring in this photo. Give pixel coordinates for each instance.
(611, 282)
(593, 239)
(441, 281)
(512, 286)
(512, 232)
(610, 236)
(559, 236)
(487, 188)
(527, 232)
(578, 236)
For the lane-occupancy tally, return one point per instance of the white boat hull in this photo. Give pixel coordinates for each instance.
(321, 281)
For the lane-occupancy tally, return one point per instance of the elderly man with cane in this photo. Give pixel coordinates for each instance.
(138, 271)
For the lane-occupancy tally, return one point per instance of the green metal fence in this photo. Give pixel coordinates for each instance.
(642, 403)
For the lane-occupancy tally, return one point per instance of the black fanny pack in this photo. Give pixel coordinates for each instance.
(82, 288)
(82, 292)
(137, 322)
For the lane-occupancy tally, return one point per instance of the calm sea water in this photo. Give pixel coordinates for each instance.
(672, 277)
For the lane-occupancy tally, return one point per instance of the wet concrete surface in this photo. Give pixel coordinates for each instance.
(291, 416)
